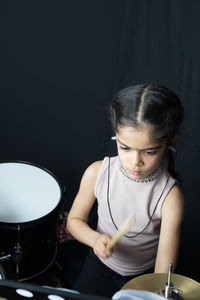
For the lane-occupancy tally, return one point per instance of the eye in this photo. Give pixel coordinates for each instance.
(151, 152)
(124, 148)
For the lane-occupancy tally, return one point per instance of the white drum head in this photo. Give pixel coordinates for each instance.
(27, 192)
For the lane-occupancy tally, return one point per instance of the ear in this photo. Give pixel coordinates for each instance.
(171, 144)
(173, 141)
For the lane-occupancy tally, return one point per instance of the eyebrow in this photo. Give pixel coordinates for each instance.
(150, 148)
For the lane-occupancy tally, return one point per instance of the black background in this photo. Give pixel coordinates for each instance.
(60, 63)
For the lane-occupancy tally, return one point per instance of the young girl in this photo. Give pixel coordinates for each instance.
(146, 121)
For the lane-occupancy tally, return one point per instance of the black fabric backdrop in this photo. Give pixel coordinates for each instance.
(61, 61)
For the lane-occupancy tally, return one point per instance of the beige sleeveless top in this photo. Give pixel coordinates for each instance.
(136, 252)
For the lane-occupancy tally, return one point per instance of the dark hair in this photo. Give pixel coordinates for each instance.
(154, 105)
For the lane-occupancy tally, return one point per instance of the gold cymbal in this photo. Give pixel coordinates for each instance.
(155, 282)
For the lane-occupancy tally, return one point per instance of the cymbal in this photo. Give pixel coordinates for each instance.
(155, 282)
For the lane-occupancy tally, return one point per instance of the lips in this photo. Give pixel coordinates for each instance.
(135, 173)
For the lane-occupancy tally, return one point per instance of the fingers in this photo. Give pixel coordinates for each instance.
(100, 246)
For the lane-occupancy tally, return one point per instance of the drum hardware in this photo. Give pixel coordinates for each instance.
(5, 257)
(2, 259)
(17, 254)
(169, 291)
(6, 269)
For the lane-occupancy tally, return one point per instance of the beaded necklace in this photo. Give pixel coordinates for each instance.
(146, 179)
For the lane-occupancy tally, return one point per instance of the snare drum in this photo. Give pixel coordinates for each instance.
(30, 201)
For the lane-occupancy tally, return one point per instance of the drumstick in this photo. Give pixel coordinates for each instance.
(120, 232)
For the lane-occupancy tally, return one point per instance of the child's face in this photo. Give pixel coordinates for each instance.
(139, 153)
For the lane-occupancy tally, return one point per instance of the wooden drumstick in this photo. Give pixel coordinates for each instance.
(120, 232)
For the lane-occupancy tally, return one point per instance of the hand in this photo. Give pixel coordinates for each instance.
(100, 246)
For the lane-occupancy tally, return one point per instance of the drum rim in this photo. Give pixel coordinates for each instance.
(10, 225)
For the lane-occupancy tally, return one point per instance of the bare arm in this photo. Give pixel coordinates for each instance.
(78, 215)
(172, 216)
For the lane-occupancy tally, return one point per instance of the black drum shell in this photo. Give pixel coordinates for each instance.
(38, 244)
(37, 240)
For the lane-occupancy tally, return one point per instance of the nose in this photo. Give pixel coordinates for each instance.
(136, 159)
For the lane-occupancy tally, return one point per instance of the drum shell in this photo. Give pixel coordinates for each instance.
(37, 239)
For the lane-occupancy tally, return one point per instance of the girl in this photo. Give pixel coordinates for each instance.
(146, 120)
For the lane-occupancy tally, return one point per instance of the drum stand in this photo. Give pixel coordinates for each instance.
(169, 292)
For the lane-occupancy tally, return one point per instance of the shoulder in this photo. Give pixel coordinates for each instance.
(92, 171)
(174, 202)
(94, 168)
(98, 168)
(175, 195)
